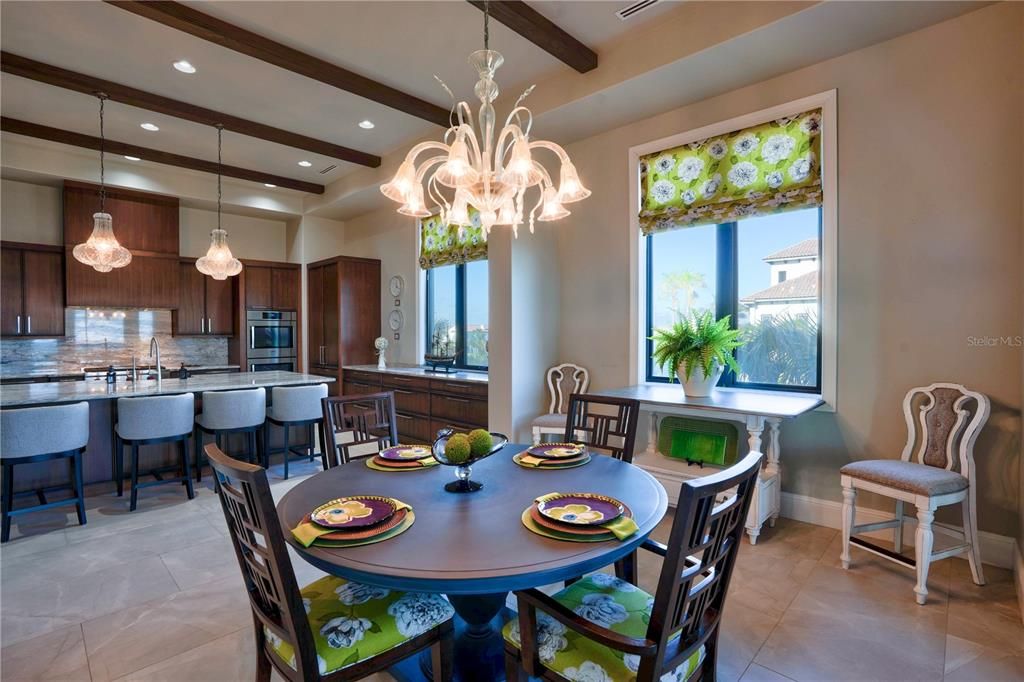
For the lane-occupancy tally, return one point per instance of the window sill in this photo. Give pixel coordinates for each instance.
(824, 407)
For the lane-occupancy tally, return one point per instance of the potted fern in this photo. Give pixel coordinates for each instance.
(697, 349)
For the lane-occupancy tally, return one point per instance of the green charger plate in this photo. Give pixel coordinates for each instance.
(549, 467)
(397, 530)
(377, 467)
(532, 526)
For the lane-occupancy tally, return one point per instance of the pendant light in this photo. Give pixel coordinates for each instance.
(218, 261)
(102, 250)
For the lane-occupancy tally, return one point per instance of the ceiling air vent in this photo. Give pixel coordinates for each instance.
(327, 170)
(636, 8)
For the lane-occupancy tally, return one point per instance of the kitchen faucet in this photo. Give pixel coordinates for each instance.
(153, 343)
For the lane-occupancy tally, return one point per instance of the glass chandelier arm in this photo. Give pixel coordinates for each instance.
(503, 148)
(475, 153)
(551, 146)
(421, 172)
(424, 146)
(516, 114)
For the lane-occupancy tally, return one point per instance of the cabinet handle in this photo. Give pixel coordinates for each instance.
(209, 325)
(457, 400)
(19, 324)
(29, 318)
(202, 325)
(398, 390)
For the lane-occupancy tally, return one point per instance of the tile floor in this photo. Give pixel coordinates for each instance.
(158, 596)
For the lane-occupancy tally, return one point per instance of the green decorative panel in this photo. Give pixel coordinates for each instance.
(698, 440)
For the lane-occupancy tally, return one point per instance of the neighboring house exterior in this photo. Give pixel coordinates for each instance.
(793, 290)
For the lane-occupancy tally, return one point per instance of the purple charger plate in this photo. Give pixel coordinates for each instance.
(545, 450)
(394, 453)
(381, 508)
(608, 507)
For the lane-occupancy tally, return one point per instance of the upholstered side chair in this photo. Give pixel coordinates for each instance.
(605, 628)
(331, 630)
(943, 422)
(563, 380)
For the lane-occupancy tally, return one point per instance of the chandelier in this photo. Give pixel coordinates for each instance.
(218, 261)
(490, 173)
(101, 250)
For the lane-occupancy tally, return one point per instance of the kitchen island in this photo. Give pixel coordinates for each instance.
(102, 399)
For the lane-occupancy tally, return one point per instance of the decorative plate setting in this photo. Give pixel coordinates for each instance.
(353, 512)
(406, 453)
(582, 509)
(557, 450)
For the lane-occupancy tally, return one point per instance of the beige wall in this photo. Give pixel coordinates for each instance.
(929, 243)
(30, 213)
(249, 237)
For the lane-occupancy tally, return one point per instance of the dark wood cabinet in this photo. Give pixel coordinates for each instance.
(145, 224)
(344, 313)
(33, 290)
(206, 306)
(272, 286)
(258, 283)
(331, 315)
(425, 405)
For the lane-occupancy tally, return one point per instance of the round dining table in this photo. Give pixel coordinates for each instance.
(473, 547)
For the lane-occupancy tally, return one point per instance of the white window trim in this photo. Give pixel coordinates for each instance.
(829, 230)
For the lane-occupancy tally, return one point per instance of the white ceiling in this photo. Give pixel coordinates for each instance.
(402, 44)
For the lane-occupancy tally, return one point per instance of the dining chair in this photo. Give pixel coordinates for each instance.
(358, 426)
(606, 628)
(332, 629)
(605, 424)
(563, 380)
(948, 420)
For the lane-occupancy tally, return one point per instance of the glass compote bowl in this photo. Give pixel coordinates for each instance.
(463, 470)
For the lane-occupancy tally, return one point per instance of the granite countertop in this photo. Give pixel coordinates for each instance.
(418, 371)
(20, 395)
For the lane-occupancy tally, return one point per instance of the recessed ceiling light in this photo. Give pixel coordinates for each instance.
(152, 127)
(267, 184)
(132, 158)
(184, 67)
(366, 124)
(305, 164)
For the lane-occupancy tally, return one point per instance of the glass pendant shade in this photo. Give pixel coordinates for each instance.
(570, 188)
(459, 215)
(218, 261)
(553, 209)
(522, 171)
(414, 206)
(457, 171)
(102, 250)
(402, 184)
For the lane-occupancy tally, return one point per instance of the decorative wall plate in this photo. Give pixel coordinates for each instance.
(396, 286)
(395, 320)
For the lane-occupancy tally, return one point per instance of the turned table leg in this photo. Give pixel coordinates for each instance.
(755, 427)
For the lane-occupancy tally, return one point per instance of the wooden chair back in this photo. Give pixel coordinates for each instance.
(262, 554)
(949, 419)
(605, 424)
(358, 426)
(695, 574)
(564, 380)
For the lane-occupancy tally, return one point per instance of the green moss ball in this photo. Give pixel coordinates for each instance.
(480, 442)
(457, 450)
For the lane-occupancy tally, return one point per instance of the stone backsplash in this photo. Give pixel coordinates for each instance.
(101, 337)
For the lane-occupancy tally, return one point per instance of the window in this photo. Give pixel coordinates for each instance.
(735, 269)
(457, 298)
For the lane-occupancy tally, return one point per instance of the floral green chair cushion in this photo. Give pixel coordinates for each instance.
(352, 622)
(611, 603)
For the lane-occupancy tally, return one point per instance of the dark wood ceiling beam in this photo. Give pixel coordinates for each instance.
(13, 125)
(542, 32)
(200, 25)
(63, 78)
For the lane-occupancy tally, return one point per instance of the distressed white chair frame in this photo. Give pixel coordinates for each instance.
(959, 448)
(560, 400)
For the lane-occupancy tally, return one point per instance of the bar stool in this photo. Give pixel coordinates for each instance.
(38, 434)
(230, 412)
(148, 421)
(293, 406)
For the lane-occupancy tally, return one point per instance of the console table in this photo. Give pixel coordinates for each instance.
(753, 409)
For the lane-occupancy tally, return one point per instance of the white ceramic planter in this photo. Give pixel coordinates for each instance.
(698, 385)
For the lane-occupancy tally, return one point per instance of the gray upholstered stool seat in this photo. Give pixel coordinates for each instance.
(148, 421)
(294, 406)
(37, 434)
(226, 412)
(920, 479)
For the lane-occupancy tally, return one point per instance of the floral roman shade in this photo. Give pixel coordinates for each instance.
(772, 167)
(442, 244)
